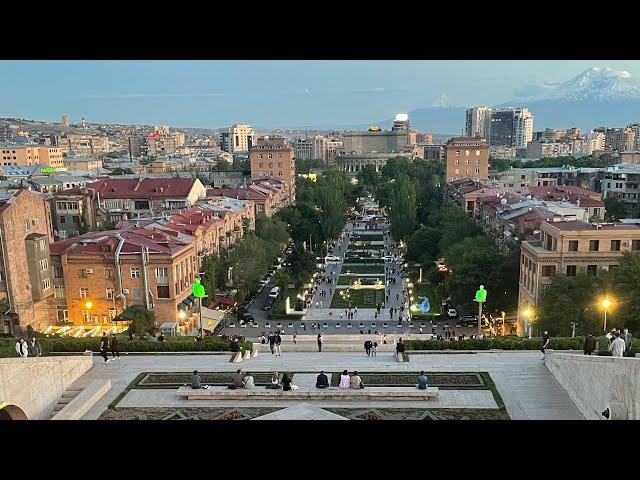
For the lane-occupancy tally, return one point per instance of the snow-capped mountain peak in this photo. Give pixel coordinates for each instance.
(594, 84)
(444, 101)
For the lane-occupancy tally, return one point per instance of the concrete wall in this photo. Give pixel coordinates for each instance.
(36, 384)
(595, 383)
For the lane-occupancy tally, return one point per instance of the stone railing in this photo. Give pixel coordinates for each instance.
(597, 384)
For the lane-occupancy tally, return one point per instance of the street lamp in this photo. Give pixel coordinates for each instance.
(606, 304)
(528, 314)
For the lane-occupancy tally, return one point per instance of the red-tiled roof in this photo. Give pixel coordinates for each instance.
(143, 187)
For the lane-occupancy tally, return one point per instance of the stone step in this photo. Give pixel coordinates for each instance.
(71, 393)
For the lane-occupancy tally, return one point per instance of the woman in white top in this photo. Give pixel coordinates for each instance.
(345, 380)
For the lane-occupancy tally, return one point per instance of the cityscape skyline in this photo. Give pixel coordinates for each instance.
(285, 94)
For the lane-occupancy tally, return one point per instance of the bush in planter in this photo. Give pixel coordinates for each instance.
(499, 343)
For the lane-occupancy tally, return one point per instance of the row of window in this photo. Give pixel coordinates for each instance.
(67, 205)
(162, 290)
(270, 155)
(261, 165)
(594, 245)
(466, 162)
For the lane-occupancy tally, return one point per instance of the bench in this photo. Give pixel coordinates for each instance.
(331, 393)
(337, 325)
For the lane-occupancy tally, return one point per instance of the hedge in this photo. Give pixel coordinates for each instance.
(503, 343)
(173, 344)
(368, 261)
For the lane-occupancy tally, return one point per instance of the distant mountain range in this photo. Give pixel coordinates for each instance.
(599, 96)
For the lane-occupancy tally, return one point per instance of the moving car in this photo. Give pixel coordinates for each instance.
(369, 281)
(245, 317)
(451, 312)
(331, 258)
(275, 291)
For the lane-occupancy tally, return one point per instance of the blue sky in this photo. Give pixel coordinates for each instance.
(212, 94)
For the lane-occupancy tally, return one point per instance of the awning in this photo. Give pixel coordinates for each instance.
(229, 301)
(168, 326)
(130, 313)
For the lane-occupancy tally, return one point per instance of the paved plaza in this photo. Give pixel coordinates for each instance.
(527, 388)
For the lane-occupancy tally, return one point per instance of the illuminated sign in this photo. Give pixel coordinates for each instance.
(53, 169)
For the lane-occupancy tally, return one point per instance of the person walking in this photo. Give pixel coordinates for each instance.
(399, 350)
(278, 342)
(367, 347)
(617, 347)
(628, 341)
(319, 342)
(104, 346)
(34, 348)
(589, 344)
(22, 349)
(545, 343)
(295, 336)
(272, 341)
(374, 348)
(115, 352)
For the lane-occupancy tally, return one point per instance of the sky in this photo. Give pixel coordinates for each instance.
(267, 94)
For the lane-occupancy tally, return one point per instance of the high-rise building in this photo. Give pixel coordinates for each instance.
(466, 157)
(619, 139)
(161, 129)
(273, 157)
(512, 127)
(313, 148)
(401, 123)
(237, 138)
(65, 121)
(635, 128)
(478, 122)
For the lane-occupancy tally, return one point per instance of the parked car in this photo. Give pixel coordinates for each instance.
(268, 304)
(469, 320)
(452, 312)
(275, 291)
(245, 317)
(331, 258)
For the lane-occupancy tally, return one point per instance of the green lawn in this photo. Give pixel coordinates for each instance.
(363, 269)
(350, 279)
(361, 298)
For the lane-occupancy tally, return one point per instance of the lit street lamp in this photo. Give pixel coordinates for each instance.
(606, 304)
(528, 314)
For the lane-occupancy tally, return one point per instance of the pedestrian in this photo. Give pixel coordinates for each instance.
(263, 338)
(420, 330)
(272, 341)
(384, 339)
(628, 341)
(34, 348)
(115, 352)
(294, 338)
(22, 349)
(367, 347)
(374, 348)
(104, 345)
(319, 342)
(356, 310)
(545, 343)
(330, 317)
(278, 342)
(589, 344)
(399, 350)
(340, 315)
(617, 347)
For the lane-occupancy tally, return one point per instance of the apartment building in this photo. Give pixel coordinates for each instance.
(31, 155)
(237, 138)
(466, 157)
(25, 270)
(273, 157)
(511, 127)
(83, 163)
(268, 196)
(569, 248)
(478, 122)
(83, 144)
(623, 182)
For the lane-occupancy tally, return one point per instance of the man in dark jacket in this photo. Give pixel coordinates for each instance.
(589, 344)
(104, 346)
(114, 346)
(399, 350)
(322, 381)
(367, 347)
(34, 348)
(272, 341)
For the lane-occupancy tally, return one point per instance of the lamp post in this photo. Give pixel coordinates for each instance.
(606, 304)
(528, 314)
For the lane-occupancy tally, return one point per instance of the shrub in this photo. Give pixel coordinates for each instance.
(498, 343)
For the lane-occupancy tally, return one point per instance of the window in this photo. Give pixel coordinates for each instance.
(571, 270)
(466, 162)
(63, 315)
(548, 270)
(163, 291)
(613, 267)
(44, 264)
(46, 284)
(135, 272)
(58, 291)
(162, 272)
(110, 294)
(635, 244)
(141, 204)
(615, 245)
(27, 225)
(82, 273)
(573, 245)
(108, 273)
(84, 292)
(43, 245)
(594, 245)
(592, 269)
(137, 294)
(57, 272)
(85, 316)
(477, 153)
(466, 153)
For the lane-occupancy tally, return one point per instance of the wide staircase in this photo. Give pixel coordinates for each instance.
(340, 343)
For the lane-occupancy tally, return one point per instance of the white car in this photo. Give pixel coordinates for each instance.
(331, 258)
(275, 291)
(452, 313)
(388, 258)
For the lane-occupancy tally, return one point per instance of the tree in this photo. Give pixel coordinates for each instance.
(211, 267)
(333, 209)
(403, 208)
(303, 223)
(281, 279)
(144, 321)
(626, 285)
(422, 245)
(396, 166)
(271, 229)
(301, 264)
(614, 209)
(368, 177)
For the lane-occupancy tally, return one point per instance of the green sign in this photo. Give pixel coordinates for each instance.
(198, 289)
(52, 169)
(481, 295)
